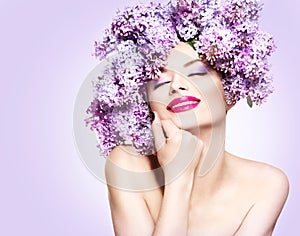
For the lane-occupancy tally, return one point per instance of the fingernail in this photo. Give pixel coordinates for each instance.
(152, 116)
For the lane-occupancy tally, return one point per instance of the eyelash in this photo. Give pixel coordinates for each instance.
(160, 84)
(198, 73)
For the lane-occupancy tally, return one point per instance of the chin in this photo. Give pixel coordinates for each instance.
(197, 119)
(188, 120)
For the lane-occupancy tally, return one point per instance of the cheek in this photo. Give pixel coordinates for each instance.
(161, 110)
(211, 89)
(158, 100)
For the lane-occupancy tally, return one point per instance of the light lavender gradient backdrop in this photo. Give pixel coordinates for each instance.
(45, 55)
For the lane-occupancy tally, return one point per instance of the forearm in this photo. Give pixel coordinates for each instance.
(178, 156)
(173, 216)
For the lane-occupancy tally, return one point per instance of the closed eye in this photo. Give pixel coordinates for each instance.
(197, 73)
(160, 84)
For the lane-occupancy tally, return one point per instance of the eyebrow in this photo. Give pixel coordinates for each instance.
(191, 62)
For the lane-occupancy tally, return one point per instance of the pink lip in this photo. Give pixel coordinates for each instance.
(184, 107)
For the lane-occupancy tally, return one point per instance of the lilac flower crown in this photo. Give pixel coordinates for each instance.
(138, 43)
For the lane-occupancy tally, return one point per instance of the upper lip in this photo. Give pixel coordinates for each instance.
(182, 99)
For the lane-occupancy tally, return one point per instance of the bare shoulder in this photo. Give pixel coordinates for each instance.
(264, 185)
(265, 188)
(126, 157)
(126, 170)
(262, 175)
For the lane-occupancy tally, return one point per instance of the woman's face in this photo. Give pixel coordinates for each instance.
(187, 91)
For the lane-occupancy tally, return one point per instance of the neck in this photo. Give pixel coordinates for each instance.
(211, 169)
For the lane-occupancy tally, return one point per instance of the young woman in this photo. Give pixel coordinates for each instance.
(187, 63)
(233, 196)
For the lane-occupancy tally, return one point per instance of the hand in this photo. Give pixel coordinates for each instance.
(179, 152)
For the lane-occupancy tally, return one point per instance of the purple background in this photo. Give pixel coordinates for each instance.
(45, 55)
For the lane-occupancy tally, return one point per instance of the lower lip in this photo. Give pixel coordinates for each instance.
(183, 108)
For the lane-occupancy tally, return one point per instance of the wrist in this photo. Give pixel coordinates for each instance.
(180, 184)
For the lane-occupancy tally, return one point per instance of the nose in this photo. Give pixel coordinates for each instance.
(177, 84)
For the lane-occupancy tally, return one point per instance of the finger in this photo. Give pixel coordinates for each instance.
(159, 137)
(170, 128)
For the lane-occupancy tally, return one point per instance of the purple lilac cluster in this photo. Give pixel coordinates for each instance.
(135, 48)
(190, 17)
(234, 46)
(138, 43)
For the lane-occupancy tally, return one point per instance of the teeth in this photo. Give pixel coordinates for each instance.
(184, 103)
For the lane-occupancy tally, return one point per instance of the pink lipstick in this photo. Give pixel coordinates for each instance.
(183, 104)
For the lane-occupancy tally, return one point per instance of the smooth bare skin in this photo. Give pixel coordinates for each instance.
(236, 197)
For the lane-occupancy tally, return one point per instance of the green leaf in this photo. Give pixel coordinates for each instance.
(191, 43)
(249, 102)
